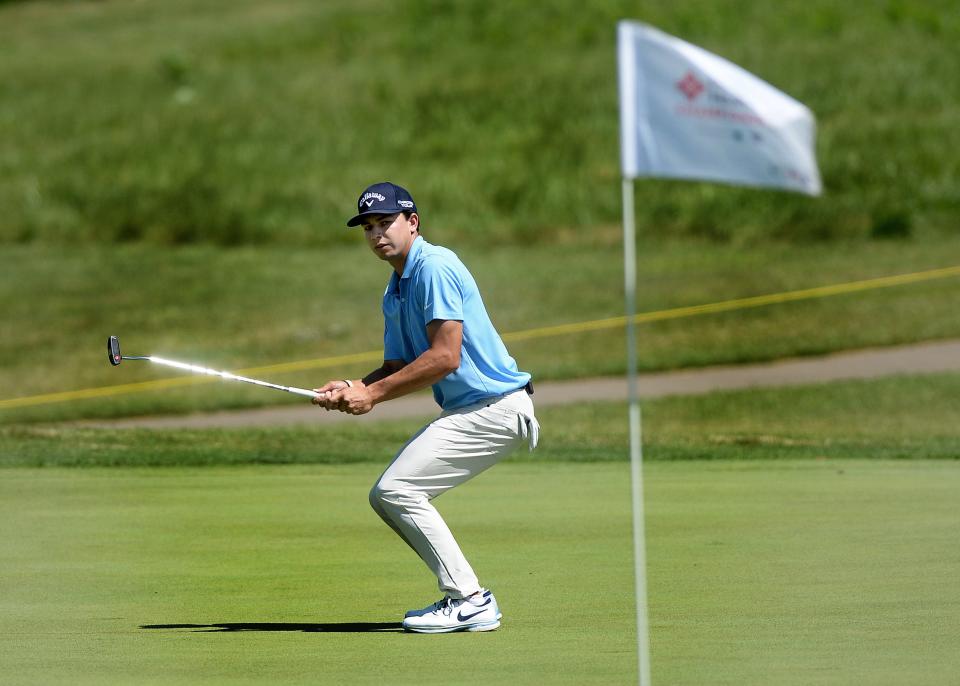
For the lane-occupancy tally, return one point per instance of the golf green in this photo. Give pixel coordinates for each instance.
(805, 572)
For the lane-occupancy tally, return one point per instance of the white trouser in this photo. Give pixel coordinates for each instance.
(448, 451)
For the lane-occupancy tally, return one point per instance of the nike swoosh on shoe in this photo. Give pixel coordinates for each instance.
(462, 618)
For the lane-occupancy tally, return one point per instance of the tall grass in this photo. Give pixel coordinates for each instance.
(248, 122)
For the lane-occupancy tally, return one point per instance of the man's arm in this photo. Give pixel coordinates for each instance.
(386, 369)
(439, 360)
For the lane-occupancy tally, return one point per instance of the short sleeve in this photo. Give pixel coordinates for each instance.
(440, 292)
(392, 336)
(392, 345)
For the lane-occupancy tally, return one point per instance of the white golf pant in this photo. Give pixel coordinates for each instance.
(448, 451)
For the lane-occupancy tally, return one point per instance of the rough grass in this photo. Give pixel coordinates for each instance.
(249, 307)
(245, 122)
(901, 417)
(234, 123)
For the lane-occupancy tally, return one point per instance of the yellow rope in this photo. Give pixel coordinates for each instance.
(542, 332)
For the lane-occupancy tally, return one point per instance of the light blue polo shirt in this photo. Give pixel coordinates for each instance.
(436, 285)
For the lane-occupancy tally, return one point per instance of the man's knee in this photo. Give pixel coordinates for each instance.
(388, 494)
(376, 498)
(383, 493)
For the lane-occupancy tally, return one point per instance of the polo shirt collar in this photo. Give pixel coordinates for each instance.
(412, 257)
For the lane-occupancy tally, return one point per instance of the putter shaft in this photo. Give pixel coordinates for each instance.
(114, 355)
(196, 369)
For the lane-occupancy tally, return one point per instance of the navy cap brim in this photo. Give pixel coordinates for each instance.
(357, 220)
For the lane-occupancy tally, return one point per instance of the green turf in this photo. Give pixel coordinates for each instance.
(245, 308)
(802, 572)
(905, 417)
(808, 572)
(110, 553)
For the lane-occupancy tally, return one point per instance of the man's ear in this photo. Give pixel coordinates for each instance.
(415, 221)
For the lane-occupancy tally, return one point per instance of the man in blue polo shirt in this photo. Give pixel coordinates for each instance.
(437, 333)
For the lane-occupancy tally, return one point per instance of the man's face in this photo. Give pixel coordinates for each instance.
(391, 235)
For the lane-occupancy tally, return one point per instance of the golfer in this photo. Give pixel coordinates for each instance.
(437, 333)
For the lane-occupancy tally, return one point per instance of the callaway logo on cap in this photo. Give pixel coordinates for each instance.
(382, 198)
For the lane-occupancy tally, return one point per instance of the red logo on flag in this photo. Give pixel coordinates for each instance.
(690, 86)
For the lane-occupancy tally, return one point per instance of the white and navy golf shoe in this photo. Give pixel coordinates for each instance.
(480, 613)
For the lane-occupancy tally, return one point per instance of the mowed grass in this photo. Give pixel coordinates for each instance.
(215, 567)
(808, 572)
(801, 572)
(107, 566)
(247, 307)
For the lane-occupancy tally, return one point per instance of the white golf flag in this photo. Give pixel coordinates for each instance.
(687, 113)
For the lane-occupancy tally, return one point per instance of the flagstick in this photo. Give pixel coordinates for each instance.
(636, 447)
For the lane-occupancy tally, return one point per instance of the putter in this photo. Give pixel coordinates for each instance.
(113, 350)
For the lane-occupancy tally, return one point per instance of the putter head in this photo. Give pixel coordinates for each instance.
(113, 350)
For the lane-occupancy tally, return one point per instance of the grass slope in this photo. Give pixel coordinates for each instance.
(236, 122)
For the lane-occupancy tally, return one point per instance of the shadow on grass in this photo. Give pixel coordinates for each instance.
(325, 627)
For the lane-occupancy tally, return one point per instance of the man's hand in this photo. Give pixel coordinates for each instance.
(339, 395)
(356, 400)
(325, 394)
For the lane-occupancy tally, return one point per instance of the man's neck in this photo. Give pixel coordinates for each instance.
(400, 261)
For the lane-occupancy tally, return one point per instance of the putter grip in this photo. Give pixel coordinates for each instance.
(302, 391)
